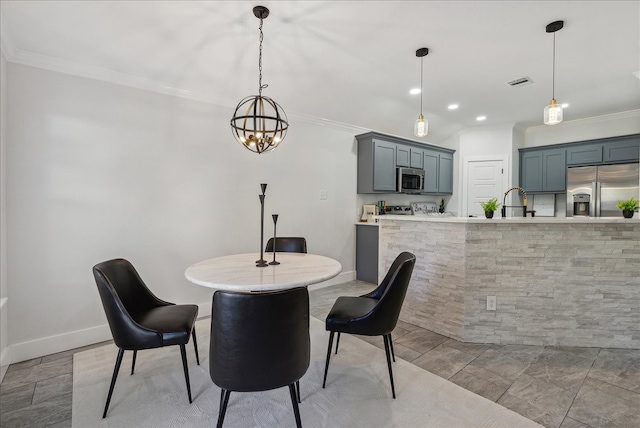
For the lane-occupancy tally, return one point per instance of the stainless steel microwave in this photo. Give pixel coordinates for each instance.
(410, 180)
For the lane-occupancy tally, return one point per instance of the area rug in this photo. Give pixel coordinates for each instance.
(357, 393)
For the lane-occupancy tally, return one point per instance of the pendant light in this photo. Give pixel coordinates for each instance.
(421, 127)
(259, 123)
(553, 112)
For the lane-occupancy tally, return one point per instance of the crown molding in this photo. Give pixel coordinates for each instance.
(18, 56)
(7, 46)
(594, 119)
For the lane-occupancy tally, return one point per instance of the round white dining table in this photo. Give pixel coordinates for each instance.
(239, 272)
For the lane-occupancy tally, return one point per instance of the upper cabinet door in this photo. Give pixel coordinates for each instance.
(625, 150)
(384, 166)
(416, 158)
(431, 161)
(403, 155)
(554, 177)
(445, 174)
(584, 154)
(531, 171)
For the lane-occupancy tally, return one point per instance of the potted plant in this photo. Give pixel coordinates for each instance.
(489, 207)
(628, 207)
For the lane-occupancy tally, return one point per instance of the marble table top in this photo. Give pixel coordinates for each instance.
(239, 272)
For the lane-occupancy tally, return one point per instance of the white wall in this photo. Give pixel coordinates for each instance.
(97, 171)
(3, 219)
(611, 125)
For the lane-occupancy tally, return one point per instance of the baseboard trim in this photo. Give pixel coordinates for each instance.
(58, 343)
(343, 277)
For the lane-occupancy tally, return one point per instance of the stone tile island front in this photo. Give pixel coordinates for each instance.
(557, 281)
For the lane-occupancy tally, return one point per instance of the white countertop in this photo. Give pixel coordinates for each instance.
(510, 220)
(239, 272)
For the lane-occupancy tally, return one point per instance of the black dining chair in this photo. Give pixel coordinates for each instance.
(287, 245)
(375, 313)
(259, 342)
(138, 319)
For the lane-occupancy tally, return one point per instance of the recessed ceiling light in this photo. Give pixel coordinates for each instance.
(637, 74)
(481, 118)
(565, 105)
(415, 91)
(453, 106)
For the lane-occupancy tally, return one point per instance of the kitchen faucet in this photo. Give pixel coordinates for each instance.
(523, 206)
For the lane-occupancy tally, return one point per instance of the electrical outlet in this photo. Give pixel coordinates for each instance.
(323, 194)
(491, 303)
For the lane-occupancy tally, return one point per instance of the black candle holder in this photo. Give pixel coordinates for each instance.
(275, 220)
(262, 262)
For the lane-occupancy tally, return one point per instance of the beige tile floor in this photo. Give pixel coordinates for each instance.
(556, 386)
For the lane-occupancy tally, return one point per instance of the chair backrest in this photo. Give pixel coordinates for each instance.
(259, 341)
(287, 245)
(123, 294)
(393, 289)
(380, 289)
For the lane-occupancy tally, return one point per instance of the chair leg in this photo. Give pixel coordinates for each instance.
(337, 343)
(224, 400)
(326, 366)
(393, 354)
(133, 364)
(294, 401)
(183, 351)
(298, 390)
(386, 348)
(195, 345)
(113, 380)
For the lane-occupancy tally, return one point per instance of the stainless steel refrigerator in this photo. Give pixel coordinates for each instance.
(593, 191)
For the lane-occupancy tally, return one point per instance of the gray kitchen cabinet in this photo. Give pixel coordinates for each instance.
(367, 253)
(445, 174)
(531, 171)
(403, 156)
(416, 158)
(431, 162)
(554, 171)
(584, 154)
(379, 155)
(543, 171)
(622, 150)
(376, 166)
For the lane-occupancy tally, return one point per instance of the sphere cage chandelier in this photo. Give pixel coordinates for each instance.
(421, 126)
(553, 112)
(259, 123)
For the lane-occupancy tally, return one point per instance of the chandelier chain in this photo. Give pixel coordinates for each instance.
(553, 77)
(260, 85)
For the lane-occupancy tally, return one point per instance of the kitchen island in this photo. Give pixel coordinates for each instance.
(557, 281)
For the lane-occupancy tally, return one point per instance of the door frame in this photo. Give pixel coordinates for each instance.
(465, 175)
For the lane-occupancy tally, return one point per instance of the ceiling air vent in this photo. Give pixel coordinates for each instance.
(520, 82)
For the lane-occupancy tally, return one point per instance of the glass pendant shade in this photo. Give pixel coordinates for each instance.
(552, 113)
(421, 127)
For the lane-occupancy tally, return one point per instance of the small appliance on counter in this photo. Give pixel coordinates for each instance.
(368, 211)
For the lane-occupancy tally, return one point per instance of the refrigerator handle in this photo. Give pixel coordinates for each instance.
(594, 200)
(599, 198)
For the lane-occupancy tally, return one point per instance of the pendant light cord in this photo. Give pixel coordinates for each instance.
(553, 76)
(421, 79)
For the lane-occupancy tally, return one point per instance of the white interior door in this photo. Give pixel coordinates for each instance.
(485, 180)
